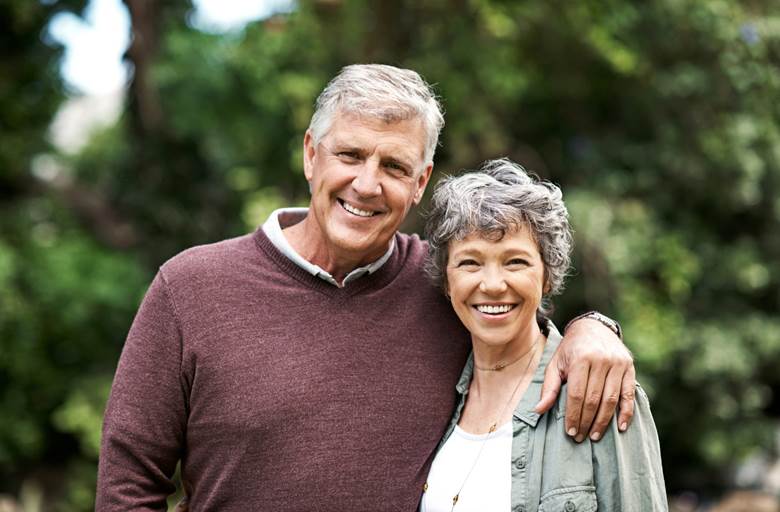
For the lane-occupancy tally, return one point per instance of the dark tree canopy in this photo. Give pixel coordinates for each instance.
(659, 119)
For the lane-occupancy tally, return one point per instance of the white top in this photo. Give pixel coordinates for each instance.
(487, 489)
(273, 230)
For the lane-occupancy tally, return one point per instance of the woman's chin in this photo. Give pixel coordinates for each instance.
(493, 341)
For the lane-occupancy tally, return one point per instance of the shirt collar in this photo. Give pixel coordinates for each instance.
(289, 216)
(525, 408)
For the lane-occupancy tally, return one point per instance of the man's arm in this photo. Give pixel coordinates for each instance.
(143, 428)
(600, 373)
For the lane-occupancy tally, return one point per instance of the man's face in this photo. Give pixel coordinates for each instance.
(365, 175)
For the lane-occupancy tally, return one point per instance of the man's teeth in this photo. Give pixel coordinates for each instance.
(356, 211)
(494, 310)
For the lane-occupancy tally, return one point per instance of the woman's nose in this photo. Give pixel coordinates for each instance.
(492, 282)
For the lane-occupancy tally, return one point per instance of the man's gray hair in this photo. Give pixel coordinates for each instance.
(499, 197)
(383, 92)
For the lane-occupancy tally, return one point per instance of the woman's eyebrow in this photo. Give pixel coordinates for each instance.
(466, 252)
(518, 252)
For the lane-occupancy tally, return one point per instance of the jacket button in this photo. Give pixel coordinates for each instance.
(569, 506)
(521, 462)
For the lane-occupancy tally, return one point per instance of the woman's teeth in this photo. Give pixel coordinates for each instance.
(494, 310)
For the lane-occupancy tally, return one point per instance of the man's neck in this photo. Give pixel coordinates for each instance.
(307, 240)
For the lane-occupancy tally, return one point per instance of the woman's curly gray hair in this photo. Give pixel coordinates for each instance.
(499, 197)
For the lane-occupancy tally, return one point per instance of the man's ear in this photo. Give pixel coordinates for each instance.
(422, 182)
(309, 155)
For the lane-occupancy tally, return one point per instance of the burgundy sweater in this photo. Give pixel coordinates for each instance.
(279, 391)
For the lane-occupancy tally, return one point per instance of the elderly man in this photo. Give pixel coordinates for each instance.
(310, 365)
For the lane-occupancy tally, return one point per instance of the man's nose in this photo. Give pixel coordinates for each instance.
(493, 282)
(367, 182)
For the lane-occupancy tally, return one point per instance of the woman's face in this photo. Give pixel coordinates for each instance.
(496, 286)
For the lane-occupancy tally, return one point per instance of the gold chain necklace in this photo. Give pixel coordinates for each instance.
(494, 425)
(501, 365)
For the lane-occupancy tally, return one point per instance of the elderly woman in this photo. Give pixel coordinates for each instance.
(500, 246)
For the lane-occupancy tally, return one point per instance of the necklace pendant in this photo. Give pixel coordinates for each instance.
(499, 367)
(492, 428)
(455, 499)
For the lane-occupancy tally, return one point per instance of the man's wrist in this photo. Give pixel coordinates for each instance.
(606, 321)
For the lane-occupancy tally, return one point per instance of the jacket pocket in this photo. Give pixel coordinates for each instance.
(570, 499)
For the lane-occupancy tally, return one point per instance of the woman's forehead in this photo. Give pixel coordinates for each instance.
(518, 237)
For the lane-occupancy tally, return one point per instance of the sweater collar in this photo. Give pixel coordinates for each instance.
(286, 217)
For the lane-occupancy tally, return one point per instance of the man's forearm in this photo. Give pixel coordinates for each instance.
(143, 427)
(600, 374)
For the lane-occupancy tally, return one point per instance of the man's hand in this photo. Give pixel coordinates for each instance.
(601, 376)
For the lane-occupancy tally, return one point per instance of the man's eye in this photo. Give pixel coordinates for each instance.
(396, 167)
(348, 155)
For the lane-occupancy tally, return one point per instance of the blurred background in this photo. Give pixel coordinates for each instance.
(130, 130)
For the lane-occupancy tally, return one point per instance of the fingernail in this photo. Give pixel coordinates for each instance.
(595, 436)
(623, 426)
(572, 431)
(579, 438)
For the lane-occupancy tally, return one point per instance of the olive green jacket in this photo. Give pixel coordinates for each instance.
(550, 472)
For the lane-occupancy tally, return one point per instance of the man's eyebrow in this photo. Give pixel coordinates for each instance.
(352, 146)
(405, 160)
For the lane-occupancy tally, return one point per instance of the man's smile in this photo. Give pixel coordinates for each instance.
(354, 210)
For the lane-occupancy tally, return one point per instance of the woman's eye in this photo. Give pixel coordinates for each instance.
(518, 261)
(467, 263)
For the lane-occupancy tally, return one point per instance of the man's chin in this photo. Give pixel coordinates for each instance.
(359, 247)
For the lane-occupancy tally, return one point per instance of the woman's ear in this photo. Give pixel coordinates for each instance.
(547, 286)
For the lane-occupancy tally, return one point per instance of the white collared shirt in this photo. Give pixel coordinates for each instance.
(273, 230)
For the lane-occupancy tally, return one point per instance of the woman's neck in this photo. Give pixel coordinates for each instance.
(496, 366)
(491, 355)
(494, 394)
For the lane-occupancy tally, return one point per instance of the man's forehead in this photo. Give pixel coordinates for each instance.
(363, 132)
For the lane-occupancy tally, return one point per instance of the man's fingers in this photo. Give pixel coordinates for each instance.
(575, 397)
(550, 388)
(626, 404)
(596, 378)
(609, 402)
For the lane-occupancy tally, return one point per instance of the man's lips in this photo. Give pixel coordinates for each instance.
(355, 210)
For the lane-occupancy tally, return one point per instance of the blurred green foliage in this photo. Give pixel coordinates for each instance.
(659, 119)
